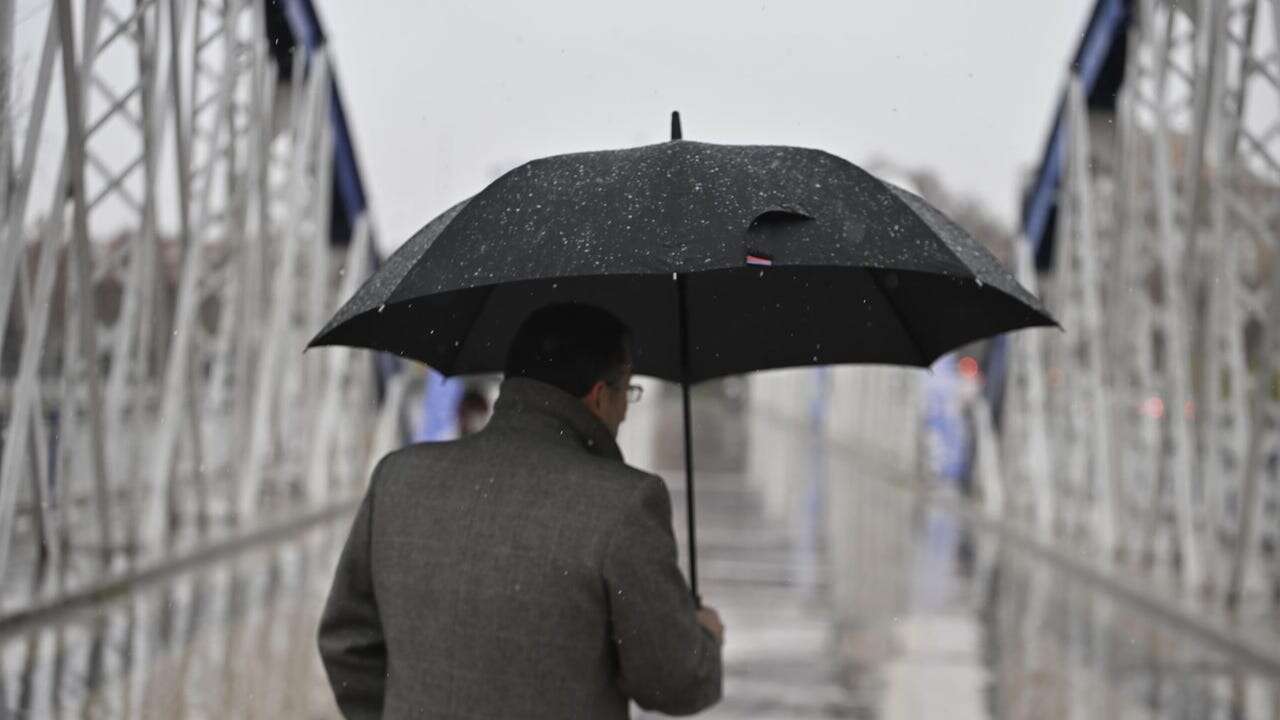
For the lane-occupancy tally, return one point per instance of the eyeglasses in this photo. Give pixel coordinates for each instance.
(634, 392)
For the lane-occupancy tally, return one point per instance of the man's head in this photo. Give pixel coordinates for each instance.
(473, 411)
(581, 349)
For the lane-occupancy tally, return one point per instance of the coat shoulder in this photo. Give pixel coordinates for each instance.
(572, 469)
(404, 462)
(626, 477)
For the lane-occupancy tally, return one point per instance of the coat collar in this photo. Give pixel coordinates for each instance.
(523, 399)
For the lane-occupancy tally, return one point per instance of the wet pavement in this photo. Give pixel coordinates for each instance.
(234, 639)
(844, 596)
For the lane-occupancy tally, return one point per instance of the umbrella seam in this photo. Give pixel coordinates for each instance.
(937, 236)
(471, 326)
(897, 313)
(466, 204)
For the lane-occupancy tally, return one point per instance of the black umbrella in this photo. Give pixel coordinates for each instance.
(723, 259)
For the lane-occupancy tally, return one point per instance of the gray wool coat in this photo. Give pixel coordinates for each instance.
(521, 572)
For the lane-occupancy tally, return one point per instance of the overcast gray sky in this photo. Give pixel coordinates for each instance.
(443, 95)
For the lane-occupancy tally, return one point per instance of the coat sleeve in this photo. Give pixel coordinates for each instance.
(352, 645)
(668, 662)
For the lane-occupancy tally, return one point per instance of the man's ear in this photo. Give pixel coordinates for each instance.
(592, 398)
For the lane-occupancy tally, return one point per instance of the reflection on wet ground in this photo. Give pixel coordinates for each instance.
(231, 640)
(844, 596)
(847, 594)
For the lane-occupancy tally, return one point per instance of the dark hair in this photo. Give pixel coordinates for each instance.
(571, 346)
(473, 400)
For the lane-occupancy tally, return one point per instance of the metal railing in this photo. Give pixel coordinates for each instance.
(1139, 450)
(1148, 434)
(166, 253)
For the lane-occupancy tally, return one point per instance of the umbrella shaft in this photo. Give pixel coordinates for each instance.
(688, 438)
(688, 490)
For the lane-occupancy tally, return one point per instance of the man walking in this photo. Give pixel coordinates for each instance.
(524, 571)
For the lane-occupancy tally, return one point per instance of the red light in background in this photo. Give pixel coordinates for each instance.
(1153, 407)
(968, 367)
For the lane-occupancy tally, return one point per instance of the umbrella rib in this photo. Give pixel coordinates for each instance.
(471, 326)
(902, 320)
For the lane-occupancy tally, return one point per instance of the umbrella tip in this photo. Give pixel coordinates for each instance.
(675, 125)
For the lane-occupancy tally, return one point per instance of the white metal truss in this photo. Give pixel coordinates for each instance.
(1083, 423)
(153, 394)
(1167, 280)
(1242, 386)
(1027, 455)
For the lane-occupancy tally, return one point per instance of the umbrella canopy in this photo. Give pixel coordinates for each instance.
(787, 256)
(722, 259)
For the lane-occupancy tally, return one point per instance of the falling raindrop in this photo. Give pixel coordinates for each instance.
(381, 308)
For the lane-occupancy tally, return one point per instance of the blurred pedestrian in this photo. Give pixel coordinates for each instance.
(524, 571)
(441, 402)
(473, 411)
